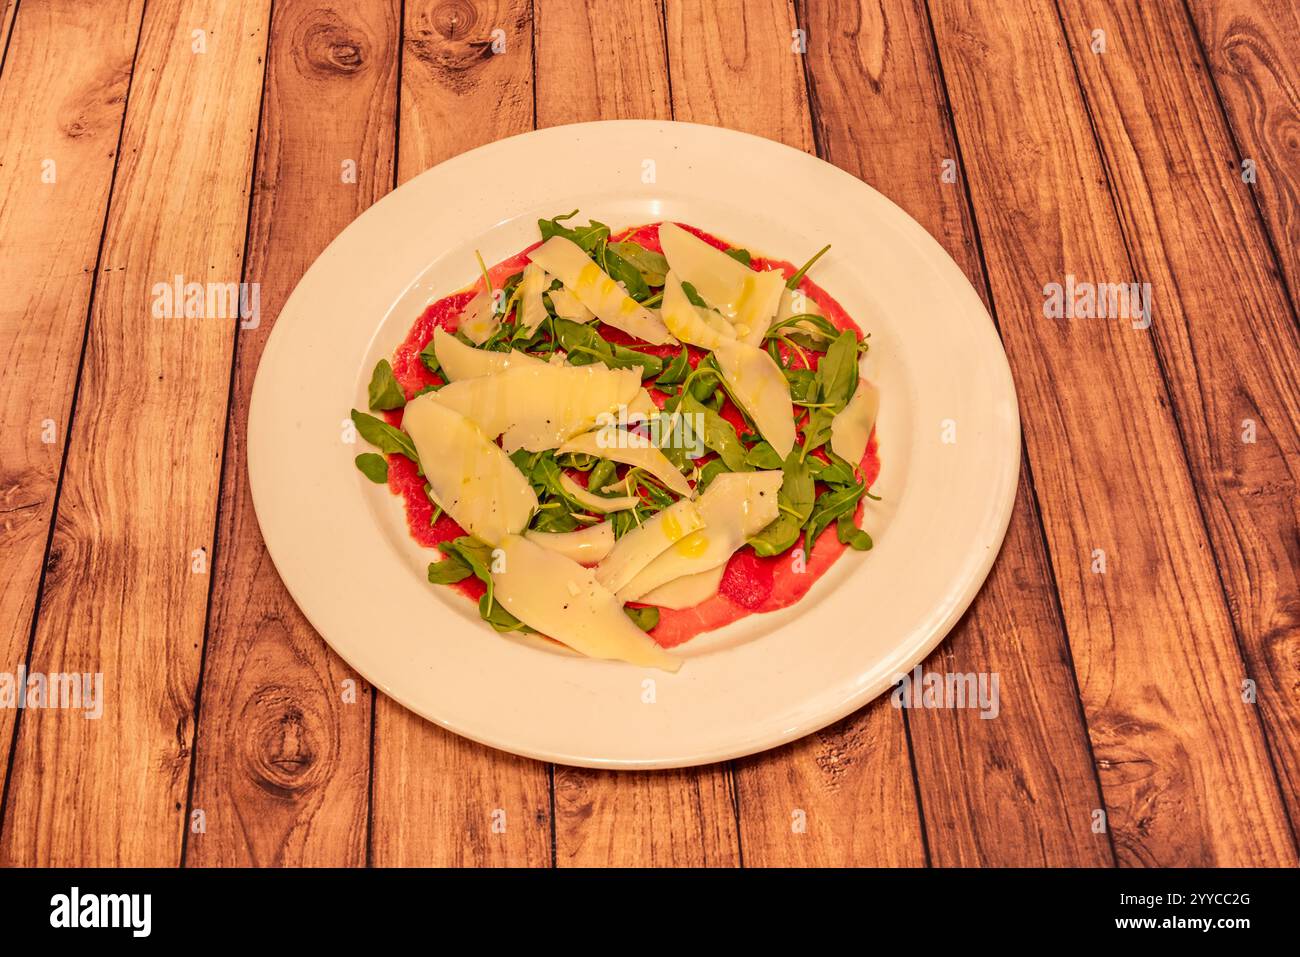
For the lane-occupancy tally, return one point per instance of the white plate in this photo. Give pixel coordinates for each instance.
(341, 545)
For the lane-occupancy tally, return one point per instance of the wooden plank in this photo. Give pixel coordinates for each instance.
(64, 124)
(140, 484)
(7, 16)
(1018, 790)
(732, 65)
(1250, 45)
(621, 45)
(832, 796)
(1183, 765)
(282, 763)
(621, 819)
(439, 799)
(1170, 157)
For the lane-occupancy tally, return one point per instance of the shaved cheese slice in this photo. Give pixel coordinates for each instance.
(796, 302)
(761, 390)
(715, 321)
(640, 546)
(632, 449)
(684, 320)
(687, 591)
(532, 311)
(568, 306)
(561, 599)
(851, 428)
(758, 306)
(735, 506)
(747, 297)
(460, 361)
(642, 405)
(537, 407)
(479, 319)
(586, 546)
(597, 291)
(469, 476)
(594, 502)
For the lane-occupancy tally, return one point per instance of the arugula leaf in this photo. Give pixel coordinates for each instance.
(835, 472)
(692, 295)
(430, 359)
(849, 534)
(449, 571)
(467, 556)
(620, 270)
(508, 289)
(793, 281)
(577, 460)
(554, 519)
(475, 555)
(586, 237)
(602, 473)
(795, 502)
(838, 371)
(704, 379)
(626, 520)
(825, 329)
(719, 435)
(712, 469)
(763, 456)
(836, 378)
(541, 470)
(652, 266)
(817, 431)
(498, 617)
(803, 384)
(384, 437)
(677, 370)
(644, 618)
(384, 392)
(830, 507)
(373, 466)
(740, 255)
(585, 346)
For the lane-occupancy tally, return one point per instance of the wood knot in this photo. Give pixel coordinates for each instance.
(283, 741)
(453, 19)
(330, 48)
(453, 43)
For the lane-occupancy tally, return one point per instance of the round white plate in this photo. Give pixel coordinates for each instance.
(340, 542)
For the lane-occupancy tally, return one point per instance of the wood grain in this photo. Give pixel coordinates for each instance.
(732, 65)
(1019, 789)
(7, 15)
(1251, 46)
(621, 47)
(602, 818)
(827, 798)
(282, 764)
(139, 488)
(439, 799)
(1169, 157)
(64, 120)
(1183, 765)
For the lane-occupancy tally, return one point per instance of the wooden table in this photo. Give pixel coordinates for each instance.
(1144, 615)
